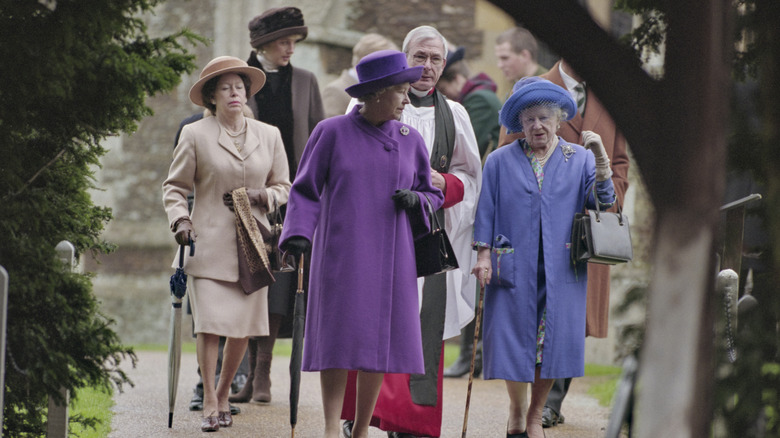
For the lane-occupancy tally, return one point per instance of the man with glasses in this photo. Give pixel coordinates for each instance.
(411, 405)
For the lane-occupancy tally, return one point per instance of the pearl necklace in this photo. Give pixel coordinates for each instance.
(543, 160)
(236, 137)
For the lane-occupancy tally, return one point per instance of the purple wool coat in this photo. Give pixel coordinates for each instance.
(363, 311)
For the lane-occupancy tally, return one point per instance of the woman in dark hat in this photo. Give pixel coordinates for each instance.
(215, 156)
(359, 200)
(290, 101)
(535, 297)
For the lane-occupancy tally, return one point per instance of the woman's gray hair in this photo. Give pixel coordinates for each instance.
(423, 33)
(556, 109)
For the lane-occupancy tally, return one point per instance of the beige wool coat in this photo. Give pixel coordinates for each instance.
(206, 161)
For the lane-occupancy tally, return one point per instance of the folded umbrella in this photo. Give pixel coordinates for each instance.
(178, 285)
(299, 317)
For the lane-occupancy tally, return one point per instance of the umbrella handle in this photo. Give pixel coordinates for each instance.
(300, 275)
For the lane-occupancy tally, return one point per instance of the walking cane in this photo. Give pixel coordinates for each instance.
(473, 356)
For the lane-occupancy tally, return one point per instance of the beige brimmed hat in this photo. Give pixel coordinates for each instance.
(226, 64)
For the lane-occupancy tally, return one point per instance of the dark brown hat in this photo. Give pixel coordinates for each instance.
(276, 23)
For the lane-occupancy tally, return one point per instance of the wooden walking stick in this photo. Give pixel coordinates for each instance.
(473, 356)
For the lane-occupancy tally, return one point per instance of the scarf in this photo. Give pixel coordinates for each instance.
(444, 137)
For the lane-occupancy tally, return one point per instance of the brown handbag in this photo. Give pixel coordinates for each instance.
(254, 267)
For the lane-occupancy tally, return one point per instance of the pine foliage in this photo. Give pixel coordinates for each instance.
(74, 73)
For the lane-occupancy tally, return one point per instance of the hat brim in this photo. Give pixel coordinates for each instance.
(409, 75)
(532, 95)
(255, 75)
(275, 35)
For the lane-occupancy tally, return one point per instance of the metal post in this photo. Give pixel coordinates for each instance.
(3, 315)
(57, 419)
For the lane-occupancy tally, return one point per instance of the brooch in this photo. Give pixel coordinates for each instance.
(568, 151)
(443, 161)
(404, 130)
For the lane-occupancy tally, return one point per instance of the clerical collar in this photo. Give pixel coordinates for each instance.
(419, 93)
(267, 66)
(421, 98)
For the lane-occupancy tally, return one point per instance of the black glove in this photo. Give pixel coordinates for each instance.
(296, 245)
(406, 199)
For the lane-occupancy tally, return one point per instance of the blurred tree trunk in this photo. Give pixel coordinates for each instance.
(677, 129)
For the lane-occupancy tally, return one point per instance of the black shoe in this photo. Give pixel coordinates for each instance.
(234, 410)
(517, 435)
(399, 435)
(551, 418)
(346, 428)
(196, 403)
(460, 367)
(238, 382)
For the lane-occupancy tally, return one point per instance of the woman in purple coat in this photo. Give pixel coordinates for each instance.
(359, 200)
(535, 296)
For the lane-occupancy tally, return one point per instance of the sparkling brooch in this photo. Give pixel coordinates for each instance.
(404, 130)
(568, 151)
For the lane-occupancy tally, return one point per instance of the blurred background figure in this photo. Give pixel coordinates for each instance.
(334, 98)
(290, 101)
(516, 54)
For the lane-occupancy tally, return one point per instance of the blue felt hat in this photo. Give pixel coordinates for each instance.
(383, 69)
(532, 91)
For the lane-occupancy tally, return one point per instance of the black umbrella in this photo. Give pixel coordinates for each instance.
(473, 355)
(178, 290)
(299, 319)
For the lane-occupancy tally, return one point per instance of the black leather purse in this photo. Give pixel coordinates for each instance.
(599, 236)
(280, 261)
(433, 251)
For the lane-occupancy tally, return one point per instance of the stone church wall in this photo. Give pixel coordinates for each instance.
(132, 283)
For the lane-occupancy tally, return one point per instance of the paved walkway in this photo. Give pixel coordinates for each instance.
(142, 411)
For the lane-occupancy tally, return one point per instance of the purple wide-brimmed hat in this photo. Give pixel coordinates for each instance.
(383, 69)
(533, 91)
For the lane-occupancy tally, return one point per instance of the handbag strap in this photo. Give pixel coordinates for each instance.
(434, 219)
(598, 204)
(276, 216)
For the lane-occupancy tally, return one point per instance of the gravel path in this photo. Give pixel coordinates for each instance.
(142, 411)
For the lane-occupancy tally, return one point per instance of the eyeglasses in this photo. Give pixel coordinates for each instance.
(419, 59)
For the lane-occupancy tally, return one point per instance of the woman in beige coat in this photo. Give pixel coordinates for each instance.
(215, 156)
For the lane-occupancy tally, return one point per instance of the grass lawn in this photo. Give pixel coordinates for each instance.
(95, 403)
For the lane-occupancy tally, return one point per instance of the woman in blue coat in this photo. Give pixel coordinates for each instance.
(358, 199)
(534, 327)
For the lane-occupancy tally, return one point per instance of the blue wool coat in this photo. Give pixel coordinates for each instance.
(363, 309)
(512, 216)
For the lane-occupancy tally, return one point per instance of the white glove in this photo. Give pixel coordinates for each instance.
(592, 141)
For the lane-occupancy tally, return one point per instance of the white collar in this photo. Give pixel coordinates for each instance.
(419, 93)
(267, 66)
(569, 81)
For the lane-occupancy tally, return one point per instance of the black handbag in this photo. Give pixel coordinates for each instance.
(433, 251)
(599, 236)
(280, 261)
